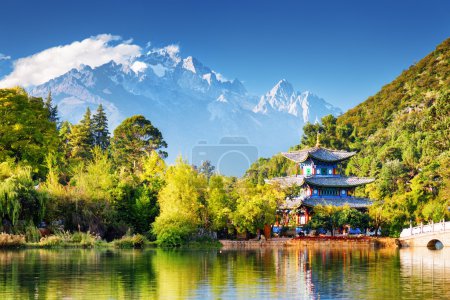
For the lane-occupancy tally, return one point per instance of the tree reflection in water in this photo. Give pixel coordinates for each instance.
(306, 273)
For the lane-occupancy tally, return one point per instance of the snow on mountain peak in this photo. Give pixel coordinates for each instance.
(207, 77)
(139, 67)
(282, 89)
(219, 76)
(188, 64)
(170, 51)
(283, 98)
(222, 98)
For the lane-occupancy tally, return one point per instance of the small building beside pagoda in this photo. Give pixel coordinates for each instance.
(320, 182)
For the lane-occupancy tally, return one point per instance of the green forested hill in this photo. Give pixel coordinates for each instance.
(402, 135)
(416, 88)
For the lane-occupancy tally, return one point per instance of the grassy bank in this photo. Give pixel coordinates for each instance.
(72, 240)
(89, 240)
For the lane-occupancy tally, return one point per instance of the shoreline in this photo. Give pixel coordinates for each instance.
(331, 242)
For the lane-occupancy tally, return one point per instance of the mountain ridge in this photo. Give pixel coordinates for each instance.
(176, 93)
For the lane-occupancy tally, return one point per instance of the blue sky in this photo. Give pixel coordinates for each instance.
(344, 51)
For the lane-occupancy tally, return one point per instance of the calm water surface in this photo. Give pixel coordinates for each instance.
(300, 273)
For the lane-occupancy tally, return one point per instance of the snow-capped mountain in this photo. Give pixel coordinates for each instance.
(283, 98)
(189, 102)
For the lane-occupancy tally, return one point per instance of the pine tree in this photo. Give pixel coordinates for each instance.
(64, 137)
(81, 139)
(100, 128)
(52, 109)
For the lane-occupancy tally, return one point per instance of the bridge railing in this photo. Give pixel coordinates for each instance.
(433, 227)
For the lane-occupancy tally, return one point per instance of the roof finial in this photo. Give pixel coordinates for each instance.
(318, 139)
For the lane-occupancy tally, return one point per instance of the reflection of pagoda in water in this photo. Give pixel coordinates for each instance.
(293, 268)
(318, 176)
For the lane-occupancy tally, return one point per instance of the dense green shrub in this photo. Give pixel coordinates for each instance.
(135, 241)
(32, 234)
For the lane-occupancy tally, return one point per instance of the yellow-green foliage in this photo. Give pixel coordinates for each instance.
(256, 205)
(221, 201)
(153, 167)
(67, 239)
(51, 241)
(182, 204)
(96, 180)
(84, 239)
(11, 240)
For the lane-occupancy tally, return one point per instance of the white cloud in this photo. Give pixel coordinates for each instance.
(4, 57)
(53, 62)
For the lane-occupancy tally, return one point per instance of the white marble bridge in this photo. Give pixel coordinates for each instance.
(426, 235)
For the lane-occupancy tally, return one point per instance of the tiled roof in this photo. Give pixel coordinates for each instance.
(291, 203)
(288, 180)
(338, 201)
(318, 153)
(337, 181)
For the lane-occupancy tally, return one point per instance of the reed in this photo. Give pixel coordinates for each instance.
(11, 240)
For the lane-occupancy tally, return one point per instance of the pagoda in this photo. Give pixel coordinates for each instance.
(320, 182)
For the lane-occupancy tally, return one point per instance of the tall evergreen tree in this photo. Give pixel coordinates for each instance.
(64, 137)
(100, 128)
(52, 109)
(81, 138)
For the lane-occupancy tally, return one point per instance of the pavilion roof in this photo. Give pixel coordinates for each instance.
(291, 203)
(337, 181)
(354, 202)
(288, 181)
(318, 153)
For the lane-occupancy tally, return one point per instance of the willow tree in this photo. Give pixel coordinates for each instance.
(19, 199)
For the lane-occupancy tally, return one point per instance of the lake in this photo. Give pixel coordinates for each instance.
(300, 273)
